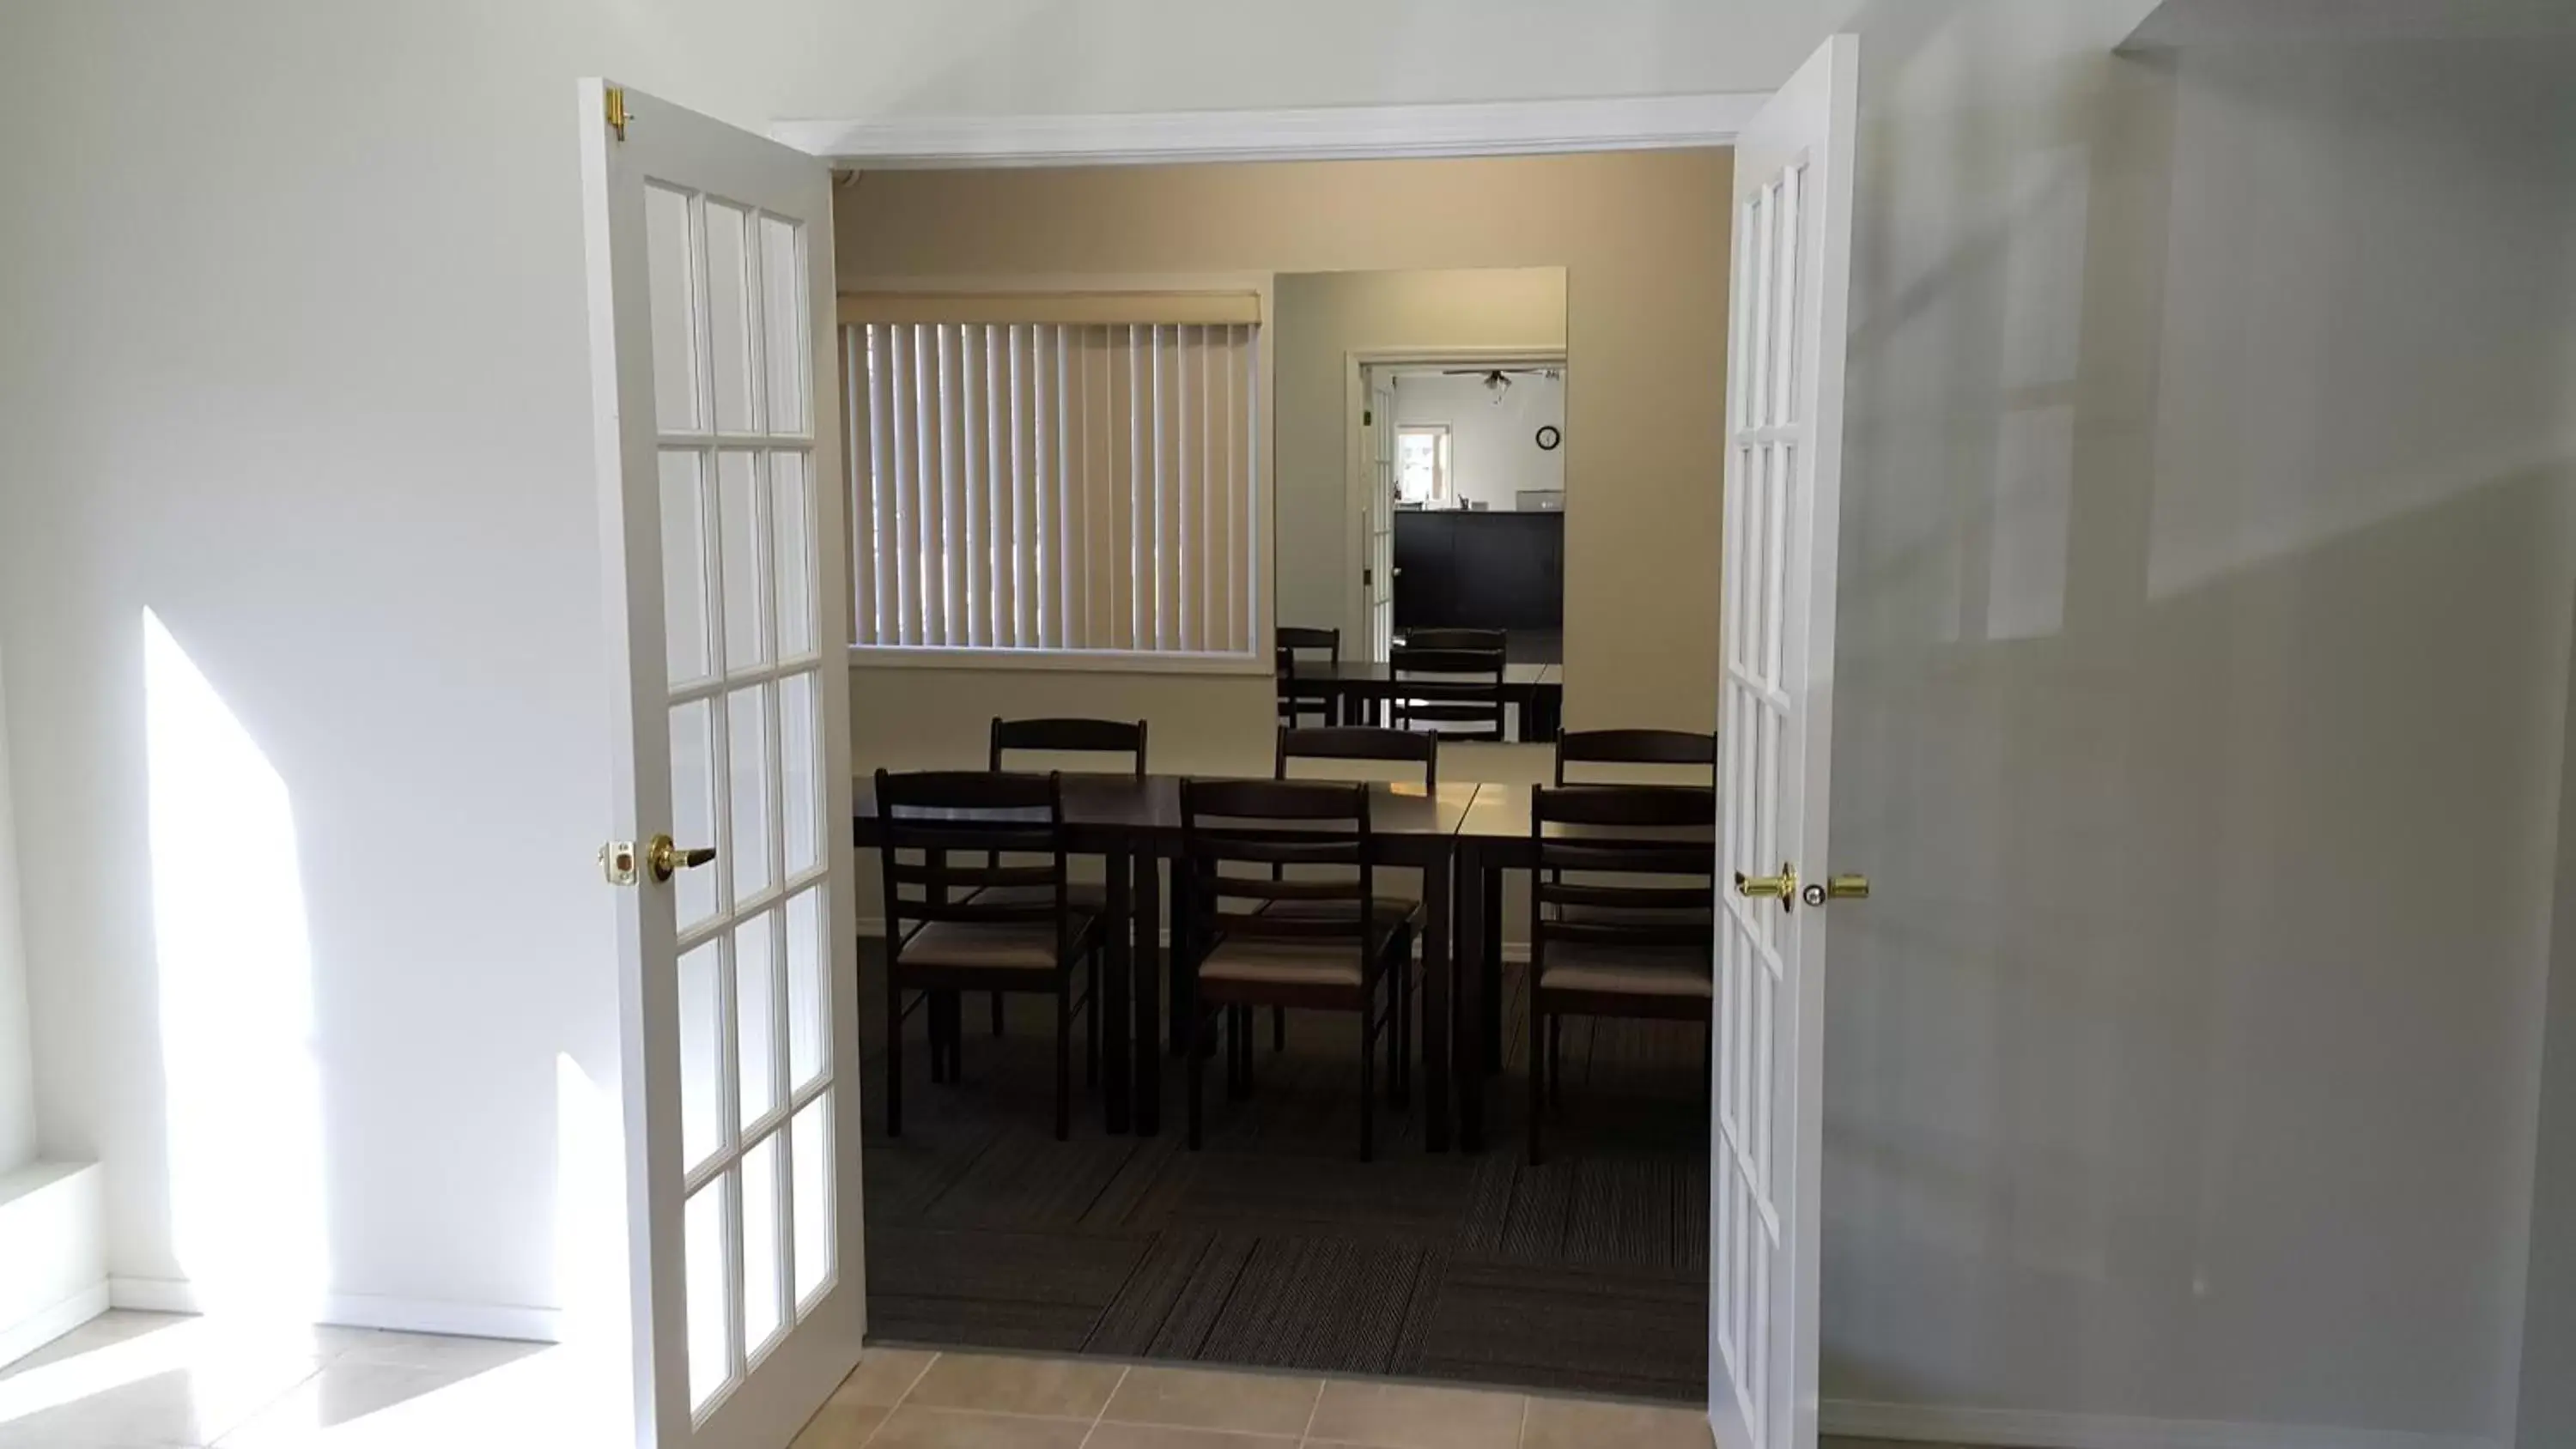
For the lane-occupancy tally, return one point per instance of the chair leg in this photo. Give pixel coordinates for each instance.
(1197, 1068)
(894, 1055)
(1537, 1072)
(1493, 969)
(1556, 1061)
(1091, 1019)
(1063, 1058)
(1395, 1029)
(1368, 1086)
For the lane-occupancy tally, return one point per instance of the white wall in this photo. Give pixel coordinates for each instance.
(17, 1060)
(1494, 452)
(2548, 1408)
(2208, 542)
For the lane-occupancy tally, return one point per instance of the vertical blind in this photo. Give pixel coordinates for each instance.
(1053, 486)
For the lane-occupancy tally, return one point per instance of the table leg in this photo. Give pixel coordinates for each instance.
(1469, 1017)
(1149, 994)
(1114, 1029)
(1489, 966)
(1436, 1032)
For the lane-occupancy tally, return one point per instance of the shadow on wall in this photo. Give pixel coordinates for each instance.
(2207, 537)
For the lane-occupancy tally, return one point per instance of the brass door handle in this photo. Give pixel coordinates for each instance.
(666, 859)
(1782, 887)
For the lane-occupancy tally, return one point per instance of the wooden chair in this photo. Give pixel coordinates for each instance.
(1068, 737)
(1356, 742)
(1602, 941)
(1295, 703)
(1014, 928)
(1333, 952)
(1454, 693)
(1635, 747)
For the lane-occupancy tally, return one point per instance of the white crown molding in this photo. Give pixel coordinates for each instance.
(2031, 1429)
(1342, 133)
(362, 1310)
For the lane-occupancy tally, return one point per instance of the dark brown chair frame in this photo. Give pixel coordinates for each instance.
(1440, 687)
(1614, 914)
(1290, 640)
(1275, 824)
(1064, 736)
(1634, 747)
(935, 815)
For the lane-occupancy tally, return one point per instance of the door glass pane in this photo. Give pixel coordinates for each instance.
(762, 1271)
(674, 286)
(747, 738)
(746, 588)
(703, 1260)
(701, 1053)
(806, 1002)
(782, 286)
(793, 559)
(729, 316)
(684, 567)
(755, 1016)
(811, 1149)
(801, 772)
(693, 807)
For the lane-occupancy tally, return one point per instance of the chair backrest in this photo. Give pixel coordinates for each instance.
(1263, 827)
(1585, 888)
(1293, 638)
(1453, 638)
(1360, 742)
(941, 836)
(1635, 747)
(1448, 687)
(1071, 737)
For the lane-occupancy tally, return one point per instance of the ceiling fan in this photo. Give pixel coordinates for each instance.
(1498, 380)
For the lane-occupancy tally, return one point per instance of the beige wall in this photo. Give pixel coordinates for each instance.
(1643, 240)
(1322, 317)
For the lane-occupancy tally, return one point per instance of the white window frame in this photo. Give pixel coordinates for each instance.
(1444, 485)
(1256, 660)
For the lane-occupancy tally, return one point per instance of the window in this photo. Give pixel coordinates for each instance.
(1422, 463)
(1053, 486)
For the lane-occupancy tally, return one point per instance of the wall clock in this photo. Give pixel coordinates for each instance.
(1548, 438)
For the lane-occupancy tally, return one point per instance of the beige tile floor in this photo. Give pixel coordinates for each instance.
(157, 1381)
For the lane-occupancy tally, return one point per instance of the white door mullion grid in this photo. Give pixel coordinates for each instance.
(729, 609)
(1790, 288)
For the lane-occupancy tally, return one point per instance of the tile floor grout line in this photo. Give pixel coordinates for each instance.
(1520, 1434)
(1089, 1434)
(1314, 1410)
(870, 1437)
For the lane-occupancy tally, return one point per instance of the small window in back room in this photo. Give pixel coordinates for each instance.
(1422, 463)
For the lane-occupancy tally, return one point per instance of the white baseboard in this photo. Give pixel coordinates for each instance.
(19, 1339)
(2032, 1429)
(363, 1310)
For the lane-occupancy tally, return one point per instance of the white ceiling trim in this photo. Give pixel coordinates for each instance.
(1345, 133)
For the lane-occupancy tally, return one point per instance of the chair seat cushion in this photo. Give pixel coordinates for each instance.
(1625, 970)
(1271, 961)
(989, 945)
(1091, 898)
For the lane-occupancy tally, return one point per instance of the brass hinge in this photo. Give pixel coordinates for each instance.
(617, 111)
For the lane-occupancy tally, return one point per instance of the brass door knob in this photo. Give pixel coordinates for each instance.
(1782, 887)
(1847, 888)
(666, 859)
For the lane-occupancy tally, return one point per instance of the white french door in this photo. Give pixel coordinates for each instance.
(1381, 518)
(1792, 265)
(710, 255)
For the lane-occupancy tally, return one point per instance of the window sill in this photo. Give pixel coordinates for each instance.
(1092, 661)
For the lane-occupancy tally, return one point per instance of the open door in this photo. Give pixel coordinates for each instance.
(1379, 572)
(1792, 250)
(711, 338)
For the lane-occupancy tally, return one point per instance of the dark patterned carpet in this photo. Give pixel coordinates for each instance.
(1275, 1246)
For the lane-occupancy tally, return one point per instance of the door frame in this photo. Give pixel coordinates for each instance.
(1359, 469)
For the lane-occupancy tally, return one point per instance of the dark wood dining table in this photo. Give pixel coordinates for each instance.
(1134, 825)
(1358, 692)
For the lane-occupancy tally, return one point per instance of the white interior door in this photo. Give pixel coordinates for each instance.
(711, 338)
(1381, 517)
(1792, 264)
